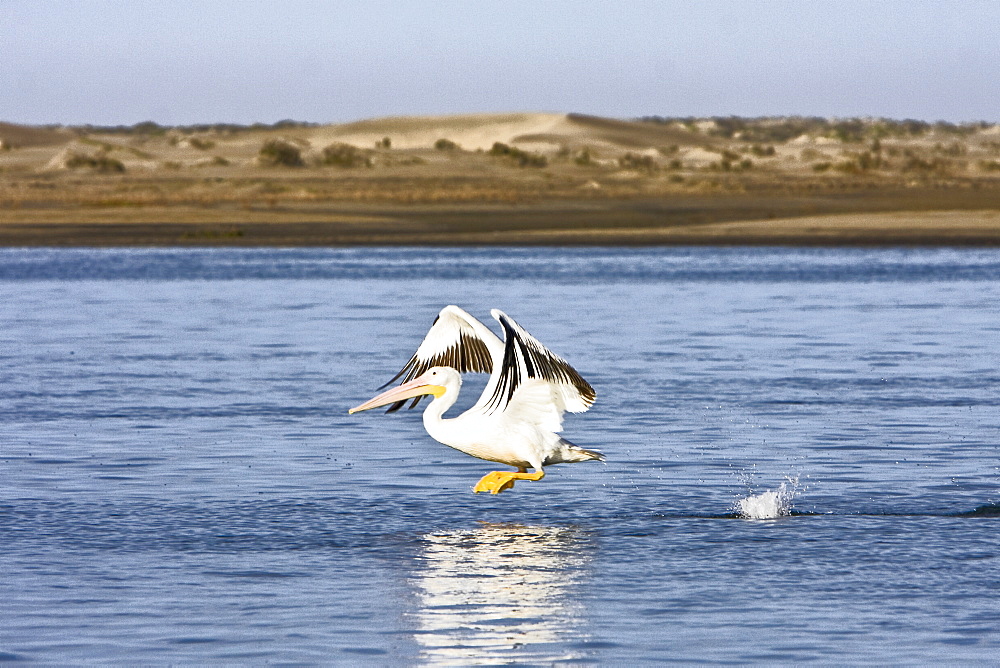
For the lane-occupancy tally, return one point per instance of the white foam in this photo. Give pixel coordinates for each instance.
(769, 505)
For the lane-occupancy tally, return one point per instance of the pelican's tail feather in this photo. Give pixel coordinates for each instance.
(570, 452)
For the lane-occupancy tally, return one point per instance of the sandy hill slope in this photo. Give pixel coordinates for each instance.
(583, 129)
(538, 131)
(412, 140)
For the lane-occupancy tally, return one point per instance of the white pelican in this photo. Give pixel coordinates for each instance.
(517, 419)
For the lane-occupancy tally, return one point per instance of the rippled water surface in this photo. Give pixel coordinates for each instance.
(180, 481)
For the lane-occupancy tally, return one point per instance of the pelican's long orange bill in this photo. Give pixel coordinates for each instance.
(414, 388)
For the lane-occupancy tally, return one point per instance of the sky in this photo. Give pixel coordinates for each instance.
(175, 62)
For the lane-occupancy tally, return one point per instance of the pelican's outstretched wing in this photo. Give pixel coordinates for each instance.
(456, 339)
(525, 357)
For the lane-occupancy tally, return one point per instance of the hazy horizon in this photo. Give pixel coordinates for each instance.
(110, 62)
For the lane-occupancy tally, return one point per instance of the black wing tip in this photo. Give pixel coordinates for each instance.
(399, 404)
(407, 368)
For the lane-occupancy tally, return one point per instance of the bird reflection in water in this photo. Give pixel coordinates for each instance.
(500, 593)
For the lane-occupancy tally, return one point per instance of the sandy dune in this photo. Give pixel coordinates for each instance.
(470, 132)
(543, 132)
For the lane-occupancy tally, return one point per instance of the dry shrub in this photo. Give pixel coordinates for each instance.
(280, 153)
(446, 145)
(522, 158)
(99, 163)
(638, 162)
(345, 156)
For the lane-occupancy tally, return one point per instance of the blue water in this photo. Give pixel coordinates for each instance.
(180, 481)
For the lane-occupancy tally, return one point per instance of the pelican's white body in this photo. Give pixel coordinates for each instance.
(518, 418)
(523, 435)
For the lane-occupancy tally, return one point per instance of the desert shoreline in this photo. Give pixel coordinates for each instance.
(499, 226)
(504, 179)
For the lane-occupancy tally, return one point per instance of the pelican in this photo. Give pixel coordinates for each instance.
(517, 419)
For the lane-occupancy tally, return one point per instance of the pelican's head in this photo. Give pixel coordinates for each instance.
(437, 381)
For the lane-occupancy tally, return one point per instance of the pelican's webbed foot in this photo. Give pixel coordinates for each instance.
(497, 481)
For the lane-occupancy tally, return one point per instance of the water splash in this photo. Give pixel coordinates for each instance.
(769, 505)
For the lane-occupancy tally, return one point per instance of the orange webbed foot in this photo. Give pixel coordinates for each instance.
(497, 481)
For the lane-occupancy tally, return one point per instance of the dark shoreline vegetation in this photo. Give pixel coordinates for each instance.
(514, 179)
